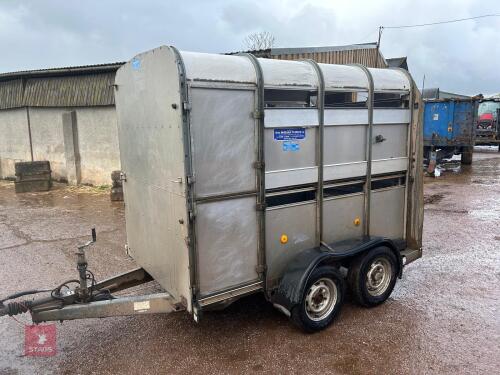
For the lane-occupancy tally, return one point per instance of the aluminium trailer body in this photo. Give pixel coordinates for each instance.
(240, 171)
(449, 128)
(245, 175)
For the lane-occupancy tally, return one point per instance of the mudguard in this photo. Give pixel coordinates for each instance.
(292, 284)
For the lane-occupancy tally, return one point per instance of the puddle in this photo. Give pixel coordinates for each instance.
(433, 199)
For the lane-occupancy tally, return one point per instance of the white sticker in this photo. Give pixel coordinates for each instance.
(435, 116)
(141, 306)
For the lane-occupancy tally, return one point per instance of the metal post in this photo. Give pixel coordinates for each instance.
(380, 29)
(409, 149)
(320, 151)
(188, 170)
(368, 151)
(260, 167)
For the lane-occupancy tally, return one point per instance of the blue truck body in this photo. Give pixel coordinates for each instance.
(449, 128)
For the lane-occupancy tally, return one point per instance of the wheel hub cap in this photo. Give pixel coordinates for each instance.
(378, 277)
(320, 299)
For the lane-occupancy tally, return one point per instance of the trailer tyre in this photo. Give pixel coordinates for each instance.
(466, 157)
(321, 301)
(372, 276)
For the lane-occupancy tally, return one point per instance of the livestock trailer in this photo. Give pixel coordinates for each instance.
(449, 128)
(245, 175)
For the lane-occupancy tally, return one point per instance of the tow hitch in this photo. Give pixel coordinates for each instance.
(89, 298)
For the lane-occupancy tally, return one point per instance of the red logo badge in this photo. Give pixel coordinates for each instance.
(40, 340)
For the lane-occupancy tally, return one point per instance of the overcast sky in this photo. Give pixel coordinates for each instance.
(461, 57)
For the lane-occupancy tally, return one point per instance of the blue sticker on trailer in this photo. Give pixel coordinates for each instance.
(289, 134)
(291, 146)
(136, 64)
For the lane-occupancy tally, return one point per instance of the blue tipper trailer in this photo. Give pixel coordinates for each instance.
(449, 128)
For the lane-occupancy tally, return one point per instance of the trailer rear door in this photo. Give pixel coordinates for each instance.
(223, 133)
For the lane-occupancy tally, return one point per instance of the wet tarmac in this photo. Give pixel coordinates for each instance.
(443, 316)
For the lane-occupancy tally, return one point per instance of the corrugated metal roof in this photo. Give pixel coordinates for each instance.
(301, 50)
(366, 57)
(70, 91)
(398, 62)
(76, 86)
(436, 93)
(69, 70)
(365, 54)
(11, 94)
(91, 85)
(430, 93)
(452, 95)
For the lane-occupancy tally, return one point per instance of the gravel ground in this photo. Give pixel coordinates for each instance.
(443, 316)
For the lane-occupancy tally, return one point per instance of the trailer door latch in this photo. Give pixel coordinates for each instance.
(261, 206)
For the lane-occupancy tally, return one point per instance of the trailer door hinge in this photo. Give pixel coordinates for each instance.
(259, 165)
(123, 176)
(261, 268)
(190, 180)
(192, 214)
(261, 206)
(186, 106)
(258, 115)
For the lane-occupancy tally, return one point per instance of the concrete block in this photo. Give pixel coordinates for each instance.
(32, 168)
(117, 187)
(32, 176)
(30, 186)
(116, 194)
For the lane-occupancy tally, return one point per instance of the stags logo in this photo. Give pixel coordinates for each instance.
(40, 340)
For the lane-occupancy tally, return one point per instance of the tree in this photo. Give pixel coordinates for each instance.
(260, 40)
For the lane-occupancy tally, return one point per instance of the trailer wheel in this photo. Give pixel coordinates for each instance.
(372, 277)
(466, 157)
(321, 301)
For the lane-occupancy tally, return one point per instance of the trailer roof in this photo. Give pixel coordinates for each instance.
(389, 79)
(214, 67)
(288, 73)
(344, 77)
